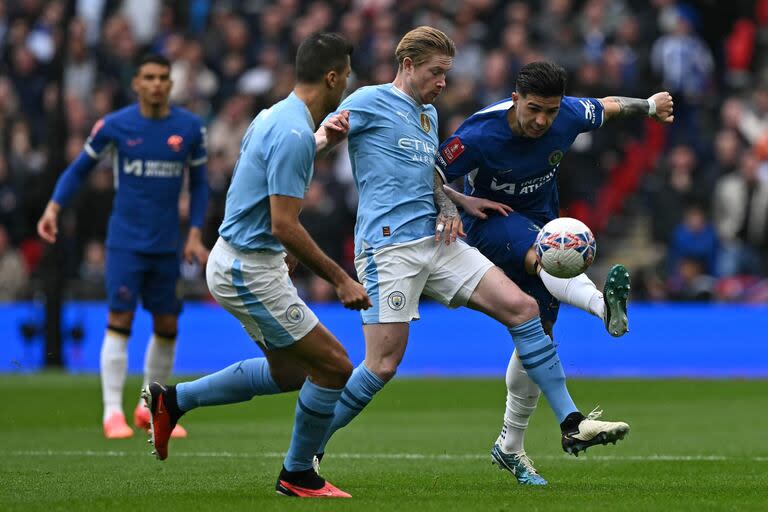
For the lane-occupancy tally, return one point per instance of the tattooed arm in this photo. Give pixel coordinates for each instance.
(659, 107)
(448, 220)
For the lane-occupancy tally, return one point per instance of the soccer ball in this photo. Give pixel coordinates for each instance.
(565, 247)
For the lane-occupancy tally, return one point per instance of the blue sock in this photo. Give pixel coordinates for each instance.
(540, 360)
(314, 413)
(360, 388)
(237, 383)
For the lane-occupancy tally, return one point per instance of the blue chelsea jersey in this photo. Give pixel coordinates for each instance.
(149, 158)
(392, 144)
(518, 171)
(276, 158)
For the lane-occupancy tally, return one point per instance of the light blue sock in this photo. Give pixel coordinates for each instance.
(360, 388)
(314, 413)
(540, 360)
(237, 383)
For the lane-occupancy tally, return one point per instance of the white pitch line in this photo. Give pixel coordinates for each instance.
(390, 456)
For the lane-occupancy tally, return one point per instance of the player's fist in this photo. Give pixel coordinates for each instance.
(336, 127)
(47, 226)
(664, 107)
(352, 294)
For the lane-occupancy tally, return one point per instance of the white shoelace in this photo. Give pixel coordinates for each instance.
(526, 462)
(595, 414)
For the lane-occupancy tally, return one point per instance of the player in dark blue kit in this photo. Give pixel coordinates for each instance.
(152, 143)
(510, 154)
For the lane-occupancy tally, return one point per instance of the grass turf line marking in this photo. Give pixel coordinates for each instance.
(391, 456)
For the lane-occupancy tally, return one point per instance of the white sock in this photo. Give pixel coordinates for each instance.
(578, 291)
(113, 365)
(158, 360)
(522, 398)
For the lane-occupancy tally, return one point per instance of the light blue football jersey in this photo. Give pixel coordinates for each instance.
(276, 158)
(392, 144)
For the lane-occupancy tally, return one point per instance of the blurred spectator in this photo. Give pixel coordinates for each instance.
(694, 239)
(677, 190)
(227, 130)
(13, 272)
(741, 217)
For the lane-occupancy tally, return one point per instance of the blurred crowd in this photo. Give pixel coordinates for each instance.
(695, 192)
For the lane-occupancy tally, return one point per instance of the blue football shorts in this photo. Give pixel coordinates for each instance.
(152, 277)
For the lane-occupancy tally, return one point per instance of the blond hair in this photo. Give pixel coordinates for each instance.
(421, 43)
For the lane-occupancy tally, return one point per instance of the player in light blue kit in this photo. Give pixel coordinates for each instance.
(510, 152)
(151, 144)
(392, 144)
(248, 276)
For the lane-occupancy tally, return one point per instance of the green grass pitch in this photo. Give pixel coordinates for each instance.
(423, 444)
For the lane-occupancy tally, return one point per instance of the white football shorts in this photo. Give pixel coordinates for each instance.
(395, 276)
(256, 289)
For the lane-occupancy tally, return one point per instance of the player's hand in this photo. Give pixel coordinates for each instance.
(194, 250)
(476, 206)
(449, 226)
(47, 226)
(292, 262)
(336, 128)
(352, 294)
(664, 107)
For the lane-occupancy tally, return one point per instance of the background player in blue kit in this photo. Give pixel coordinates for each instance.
(510, 153)
(248, 276)
(399, 254)
(152, 143)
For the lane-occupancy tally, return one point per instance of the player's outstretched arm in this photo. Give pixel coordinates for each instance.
(287, 228)
(660, 107)
(476, 206)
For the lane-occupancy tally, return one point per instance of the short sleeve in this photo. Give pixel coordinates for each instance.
(456, 158)
(99, 139)
(360, 105)
(589, 113)
(290, 162)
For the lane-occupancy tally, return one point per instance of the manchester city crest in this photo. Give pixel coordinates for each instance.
(425, 122)
(396, 300)
(294, 314)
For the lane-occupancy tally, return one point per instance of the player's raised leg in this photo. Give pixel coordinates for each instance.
(610, 305)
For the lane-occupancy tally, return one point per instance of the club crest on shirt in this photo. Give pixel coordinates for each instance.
(294, 314)
(555, 157)
(425, 122)
(175, 142)
(396, 301)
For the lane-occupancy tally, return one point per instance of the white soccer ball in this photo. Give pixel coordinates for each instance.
(565, 247)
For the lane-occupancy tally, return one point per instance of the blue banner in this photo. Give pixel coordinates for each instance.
(665, 340)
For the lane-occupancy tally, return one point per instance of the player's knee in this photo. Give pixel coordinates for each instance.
(521, 308)
(120, 320)
(288, 378)
(383, 369)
